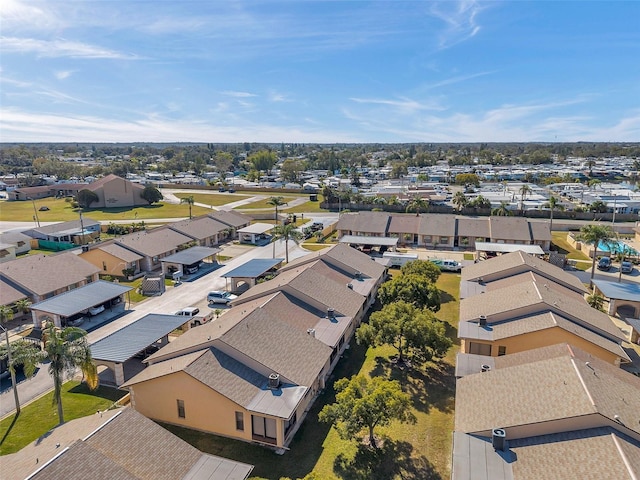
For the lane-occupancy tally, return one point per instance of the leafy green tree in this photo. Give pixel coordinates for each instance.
(595, 300)
(596, 235)
(407, 329)
(23, 305)
(502, 210)
(276, 202)
(554, 204)
(417, 204)
(151, 194)
(415, 289)
(190, 201)
(363, 403)
(480, 202)
(263, 160)
(598, 207)
(68, 349)
(6, 314)
(20, 352)
(460, 200)
(287, 232)
(524, 190)
(86, 197)
(467, 179)
(423, 268)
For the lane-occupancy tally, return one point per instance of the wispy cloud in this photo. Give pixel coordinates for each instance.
(460, 18)
(234, 94)
(403, 104)
(59, 48)
(277, 97)
(62, 74)
(454, 80)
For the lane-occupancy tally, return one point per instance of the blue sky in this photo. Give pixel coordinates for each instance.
(330, 71)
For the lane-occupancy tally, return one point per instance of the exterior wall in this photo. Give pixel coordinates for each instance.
(118, 193)
(107, 263)
(7, 253)
(205, 409)
(436, 241)
(543, 338)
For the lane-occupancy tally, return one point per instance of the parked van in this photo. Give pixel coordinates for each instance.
(399, 259)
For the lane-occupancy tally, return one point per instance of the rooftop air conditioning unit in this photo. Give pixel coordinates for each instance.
(274, 381)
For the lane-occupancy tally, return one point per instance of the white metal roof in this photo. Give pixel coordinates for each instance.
(508, 248)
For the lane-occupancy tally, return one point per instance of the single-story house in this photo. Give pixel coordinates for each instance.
(233, 220)
(21, 241)
(112, 259)
(206, 231)
(154, 245)
(77, 232)
(114, 191)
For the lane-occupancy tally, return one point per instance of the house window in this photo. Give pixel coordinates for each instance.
(104, 266)
(480, 348)
(444, 240)
(239, 421)
(502, 350)
(181, 409)
(427, 239)
(264, 429)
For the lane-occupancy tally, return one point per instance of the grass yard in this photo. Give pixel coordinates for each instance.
(419, 452)
(559, 240)
(309, 206)
(215, 199)
(40, 416)
(59, 210)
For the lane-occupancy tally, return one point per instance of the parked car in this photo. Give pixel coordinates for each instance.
(150, 350)
(219, 296)
(188, 312)
(626, 267)
(604, 263)
(96, 310)
(191, 269)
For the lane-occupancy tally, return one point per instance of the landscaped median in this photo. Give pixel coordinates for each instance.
(40, 416)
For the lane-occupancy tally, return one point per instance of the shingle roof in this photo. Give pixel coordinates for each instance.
(120, 252)
(199, 228)
(437, 224)
(364, 222)
(510, 264)
(153, 242)
(540, 231)
(13, 238)
(43, 274)
(511, 228)
(547, 389)
(231, 218)
(404, 224)
(533, 276)
(9, 294)
(64, 226)
(473, 227)
(509, 301)
(353, 260)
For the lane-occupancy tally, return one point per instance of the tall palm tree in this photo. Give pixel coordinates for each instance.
(502, 210)
(525, 189)
(23, 306)
(276, 202)
(553, 203)
(286, 233)
(460, 200)
(68, 349)
(596, 235)
(188, 200)
(417, 204)
(20, 352)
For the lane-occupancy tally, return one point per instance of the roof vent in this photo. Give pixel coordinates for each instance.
(85, 248)
(350, 285)
(485, 368)
(482, 320)
(331, 313)
(358, 275)
(499, 439)
(274, 381)
(312, 332)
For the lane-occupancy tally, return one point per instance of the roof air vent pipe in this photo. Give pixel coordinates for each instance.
(499, 439)
(274, 381)
(482, 321)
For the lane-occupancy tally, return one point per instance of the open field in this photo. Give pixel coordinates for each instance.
(215, 199)
(419, 452)
(59, 211)
(41, 415)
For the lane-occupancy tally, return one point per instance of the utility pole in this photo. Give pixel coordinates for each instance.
(35, 211)
(82, 228)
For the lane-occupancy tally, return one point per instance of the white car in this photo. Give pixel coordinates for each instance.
(96, 310)
(218, 296)
(188, 312)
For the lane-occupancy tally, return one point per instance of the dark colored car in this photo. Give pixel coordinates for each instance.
(604, 263)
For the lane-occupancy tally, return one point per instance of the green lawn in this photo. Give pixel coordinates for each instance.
(215, 199)
(59, 210)
(420, 451)
(559, 241)
(309, 206)
(40, 416)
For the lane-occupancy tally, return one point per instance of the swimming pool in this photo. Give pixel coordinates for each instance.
(617, 247)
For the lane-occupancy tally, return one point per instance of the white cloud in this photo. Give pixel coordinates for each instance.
(460, 19)
(232, 93)
(59, 48)
(62, 74)
(405, 105)
(277, 97)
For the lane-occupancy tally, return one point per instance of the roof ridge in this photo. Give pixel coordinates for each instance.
(584, 385)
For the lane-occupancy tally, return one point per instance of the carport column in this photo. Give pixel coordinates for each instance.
(119, 373)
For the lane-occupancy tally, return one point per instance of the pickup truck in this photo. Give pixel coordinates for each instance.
(447, 265)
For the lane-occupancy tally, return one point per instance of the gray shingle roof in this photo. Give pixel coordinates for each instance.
(43, 274)
(437, 224)
(404, 224)
(9, 294)
(473, 227)
(153, 242)
(511, 228)
(231, 218)
(364, 222)
(199, 228)
(120, 252)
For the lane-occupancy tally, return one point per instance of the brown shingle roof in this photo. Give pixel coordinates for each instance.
(532, 276)
(437, 224)
(8, 294)
(509, 228)
(540, 231)
(404, 224)
(473, 227)
(43, 274)
(120, 252)
(231, 218)
(198, 228)
(364, 222)
(153, 242)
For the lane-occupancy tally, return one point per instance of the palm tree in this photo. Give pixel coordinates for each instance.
(524, 191)
(502, 210)
(23, 353)
(23, 306)
(596, 235)
(6, 314)
(595, 300)
(67, 349)
(188, 200)
(417, 204)
(553, 203)
(276, 202)
(460, 200)
(286, 233)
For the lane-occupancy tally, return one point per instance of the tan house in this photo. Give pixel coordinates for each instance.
(527, 314)
(233, 220)
(556, 412)
(113, 259)
(204, 230)
(261, 365)
(116, 444)
(43, 276)
(153, 245)
(21, 241)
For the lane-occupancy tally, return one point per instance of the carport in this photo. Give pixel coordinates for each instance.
(255, 234)
(114, 350)
(251, 271)
(72, 306)
(389, 242)
(495, 247)
(190, 256)
(624, 298)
